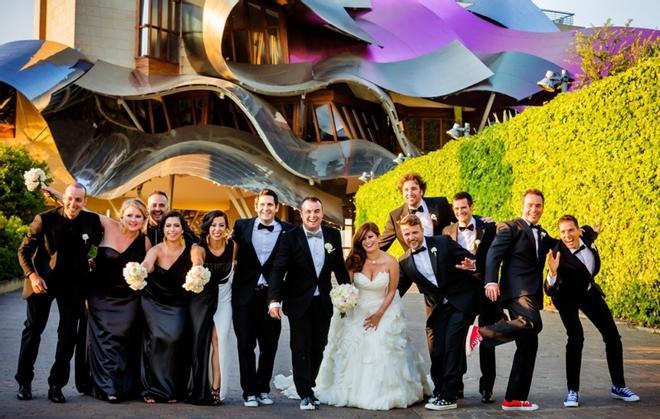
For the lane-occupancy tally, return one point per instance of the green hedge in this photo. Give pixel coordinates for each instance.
(594, 153)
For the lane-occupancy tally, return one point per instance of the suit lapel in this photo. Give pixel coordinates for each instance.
(247, 237)
(326, 240)
(434, 258)
(409, 261)
(304, 244)
(530, 235)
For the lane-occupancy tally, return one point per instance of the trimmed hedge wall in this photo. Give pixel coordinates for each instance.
(594, 153)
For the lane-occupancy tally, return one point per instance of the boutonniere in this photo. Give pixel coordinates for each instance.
(329, 248)
(543, 234)
(593, 246)
(85, 237)
(434, 217)
(434, 250)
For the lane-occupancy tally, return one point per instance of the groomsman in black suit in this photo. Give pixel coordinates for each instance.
(53, 256)
(572, 266)
(434, 264)
(158, 205)
(256, 242)
(308, 254)
(434, 213)
(476, 236)
(519, 248)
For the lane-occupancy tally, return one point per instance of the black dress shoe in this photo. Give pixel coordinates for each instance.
(487, 397)
(55, 395)
(24, 392)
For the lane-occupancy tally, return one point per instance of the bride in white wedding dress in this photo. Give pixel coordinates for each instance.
(369, 361)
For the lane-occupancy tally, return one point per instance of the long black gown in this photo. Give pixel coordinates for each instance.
(114, 324)
(202, 309)
(165, 357)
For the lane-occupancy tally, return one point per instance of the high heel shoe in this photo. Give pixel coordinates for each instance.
(215, 397)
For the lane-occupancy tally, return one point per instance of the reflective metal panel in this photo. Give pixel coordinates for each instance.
(37, 68)
(333, 12)
(312, 161)
(522, 15)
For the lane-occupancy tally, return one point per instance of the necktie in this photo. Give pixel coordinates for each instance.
(318, 234)
(470, 227)
(581, 248)
(416, 210)
(263, 226)
(420, 250)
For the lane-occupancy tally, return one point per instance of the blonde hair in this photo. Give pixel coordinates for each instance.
(137, 203)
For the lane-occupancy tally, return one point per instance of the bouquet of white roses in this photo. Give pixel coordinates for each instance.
(344, 297)
(196, 278)
(134, 275)
(34, 178)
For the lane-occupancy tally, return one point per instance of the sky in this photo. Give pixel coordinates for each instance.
(18, 22)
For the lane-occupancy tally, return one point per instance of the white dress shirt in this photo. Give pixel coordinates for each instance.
(423, 264)
(467, 237)
(535, 232)
(264, 243)
(424, 217)
(585, 256)
(317, 249)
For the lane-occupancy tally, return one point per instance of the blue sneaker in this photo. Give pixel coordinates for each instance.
(572, 399)
(624, 393)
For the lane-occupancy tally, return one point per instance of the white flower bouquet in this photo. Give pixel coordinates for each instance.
(134, 275)
(196, 278)
(34, 178)
(344, 297)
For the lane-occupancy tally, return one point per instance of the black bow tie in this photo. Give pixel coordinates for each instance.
(536, 226)
(420, 250)
(318, 234)
(470, 227)
(415, 210)
(579, 249)
(263, 226)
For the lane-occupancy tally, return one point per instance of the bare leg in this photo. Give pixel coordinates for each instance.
(215, 366)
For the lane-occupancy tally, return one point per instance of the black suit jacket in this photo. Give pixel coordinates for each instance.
(453, 284)
(38, 250)
(522, 267)
(441, 215)
(294, 260)
(248, 268)
(485, 235)
(573, 278)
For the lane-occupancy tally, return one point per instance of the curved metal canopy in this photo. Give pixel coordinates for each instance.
(521, 15)
(312, 161)
(38, 69)
(333, 12)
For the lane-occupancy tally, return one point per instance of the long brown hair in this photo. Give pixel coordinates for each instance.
(357, 256)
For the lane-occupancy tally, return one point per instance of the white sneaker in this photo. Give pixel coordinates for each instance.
(307, 404)
(264, 399)
(251, 402)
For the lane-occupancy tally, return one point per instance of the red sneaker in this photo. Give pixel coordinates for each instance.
(473, 339)
(522, 405)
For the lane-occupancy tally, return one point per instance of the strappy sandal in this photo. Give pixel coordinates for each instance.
(215, 397)
(149, 400)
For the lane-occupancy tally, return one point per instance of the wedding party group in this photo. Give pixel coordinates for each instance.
(150, 315)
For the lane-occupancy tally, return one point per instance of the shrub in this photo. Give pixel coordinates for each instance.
(15, 199)
(593, 152)
(12, 231)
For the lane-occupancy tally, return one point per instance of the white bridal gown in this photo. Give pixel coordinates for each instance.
(369, 369)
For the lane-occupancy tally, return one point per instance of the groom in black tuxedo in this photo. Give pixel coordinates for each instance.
(307, 255)
(476, 235)
(519, 248)
(53, 256)
(256, 241)
(434, 213)
(435, 265)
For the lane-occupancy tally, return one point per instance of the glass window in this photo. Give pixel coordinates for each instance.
(253, 35)
(340, 128)
(159, 29)
(323, 115)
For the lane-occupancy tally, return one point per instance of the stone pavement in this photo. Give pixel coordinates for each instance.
(642, 368)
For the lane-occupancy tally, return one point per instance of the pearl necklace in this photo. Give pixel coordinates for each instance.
(373, 261)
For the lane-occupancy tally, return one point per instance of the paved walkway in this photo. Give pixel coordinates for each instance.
(642, 367)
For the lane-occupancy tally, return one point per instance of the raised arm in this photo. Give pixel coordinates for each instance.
(197, 255)
(150, 259)
(389, 234)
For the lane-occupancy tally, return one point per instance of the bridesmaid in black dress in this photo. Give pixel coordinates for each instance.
(215, 252)
(113, 337)
(165, 357)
